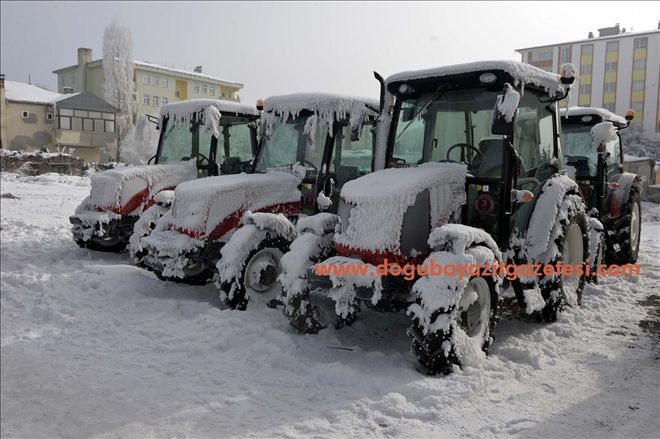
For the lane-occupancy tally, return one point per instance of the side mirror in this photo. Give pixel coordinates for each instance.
(504, 114)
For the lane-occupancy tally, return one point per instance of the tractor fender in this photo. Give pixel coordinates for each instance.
(544, 215)
(617, 200)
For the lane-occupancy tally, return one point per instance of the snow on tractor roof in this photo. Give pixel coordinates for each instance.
(379, 201)
(522, 73)
(328, 107)
(606, 115)
(180, 113)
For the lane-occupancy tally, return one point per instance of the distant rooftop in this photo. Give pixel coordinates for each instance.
(23, 92)
(607, 33)
(155, 66)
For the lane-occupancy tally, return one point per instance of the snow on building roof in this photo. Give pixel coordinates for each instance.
(22, 92)
(591, 40)
(522, 73)
(589, 111)
(186, 72)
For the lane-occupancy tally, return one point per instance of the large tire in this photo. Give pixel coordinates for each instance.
(470, 320)
(628, 233)
(270, 248)
(572, 248)
(91, 245)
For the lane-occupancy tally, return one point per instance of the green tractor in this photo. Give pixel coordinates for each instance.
(593, 153)
(475, 185)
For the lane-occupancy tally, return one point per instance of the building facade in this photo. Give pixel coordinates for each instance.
(34, 119)
(154, 85)
(616, 70)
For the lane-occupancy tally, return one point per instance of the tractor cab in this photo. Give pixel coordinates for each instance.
(201, 130)
(501, 128)
(584, 163)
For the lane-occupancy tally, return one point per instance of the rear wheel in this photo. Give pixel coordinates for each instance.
(572, 249)
(627, 235)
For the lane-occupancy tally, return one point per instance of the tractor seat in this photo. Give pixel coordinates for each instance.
(490, 163)
(581, 165)
(231, 165)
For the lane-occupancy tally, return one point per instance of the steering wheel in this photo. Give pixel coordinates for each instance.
(307, 162)
(464, 146)
(199, 156)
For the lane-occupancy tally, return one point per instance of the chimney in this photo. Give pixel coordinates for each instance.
(2, 80)
(609, 31)
(84, 56)
(68, 90)
(591, 35)
(659, 25)
(198, 69)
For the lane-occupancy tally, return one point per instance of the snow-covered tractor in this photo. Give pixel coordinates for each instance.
(310, 145)
(469, 188)
(197, 138)
(594, 157)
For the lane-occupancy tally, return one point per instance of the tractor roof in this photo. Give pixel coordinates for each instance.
(324, 104)
(522, 74)
(184, 109)
(606, 115)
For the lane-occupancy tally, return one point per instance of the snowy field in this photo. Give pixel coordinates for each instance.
(93, 347)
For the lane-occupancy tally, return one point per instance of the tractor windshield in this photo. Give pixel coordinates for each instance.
(455, 126)
(300, 139)
(185, 141)
(577, 142)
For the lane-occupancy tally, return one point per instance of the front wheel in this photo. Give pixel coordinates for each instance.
(257, 280)
(628, 232)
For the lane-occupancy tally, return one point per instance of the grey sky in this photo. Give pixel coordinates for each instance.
(277, 47)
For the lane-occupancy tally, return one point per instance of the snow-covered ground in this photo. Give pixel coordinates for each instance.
(93, 347)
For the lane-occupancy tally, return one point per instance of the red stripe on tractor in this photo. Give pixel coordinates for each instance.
(232, 221)
(150, 202)
(133, 203)
(377, 257)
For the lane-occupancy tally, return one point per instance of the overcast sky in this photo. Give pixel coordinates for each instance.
(275, 48)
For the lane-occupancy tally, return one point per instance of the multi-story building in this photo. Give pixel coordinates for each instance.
(34, 119)
(154, 85)
(616, 70)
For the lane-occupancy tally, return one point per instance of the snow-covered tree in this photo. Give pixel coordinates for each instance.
(141, 142)
(118, 72)
(640, 144)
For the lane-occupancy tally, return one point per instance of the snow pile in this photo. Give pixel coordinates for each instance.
(327, 107)
(602, 133)
(257, 228)
(522, 74)
(114, 188)
(458, 237)
(320, 224)
(344, 288)
(379, 201)
(181, 113)
(539, 240)
(201, 205)
(604, 114)
(507, 103)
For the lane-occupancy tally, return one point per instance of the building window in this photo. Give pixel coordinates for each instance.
(610, 107)
(195, 88)
(49, 116)
(585, 69)
(88, 124)
(165, 101)
(25, 114)
(65, 123)
(99, 125)
(154, 81)
(76, 123)
(612, 46)
(204, 89)
(640, 43)
(638, 85)
(566, 54)
(585, 89)
(212, 91)
(163, 82)
(610, 87)
(587, 49)
(145, 100)
(145, 79)
(109, 126)
(154, 101)
(639, 64)
(543, 56)
(611, 66)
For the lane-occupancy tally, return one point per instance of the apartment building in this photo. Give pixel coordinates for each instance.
(617, 70)
(154, 85)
